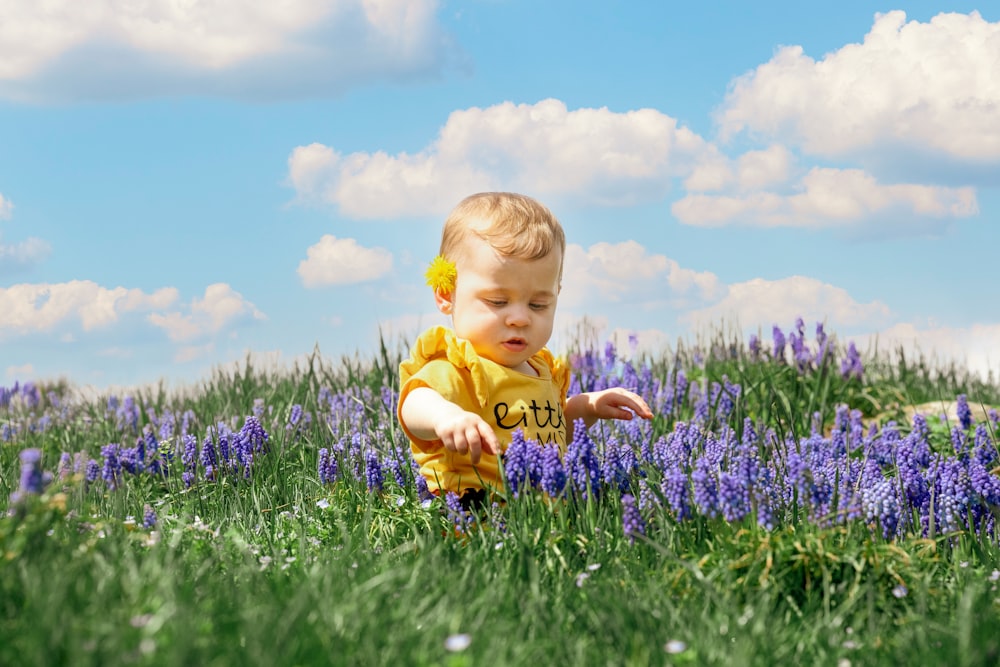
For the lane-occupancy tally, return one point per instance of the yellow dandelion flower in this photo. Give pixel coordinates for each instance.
(441, 275)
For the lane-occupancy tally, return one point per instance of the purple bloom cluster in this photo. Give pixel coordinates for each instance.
(632, 521)
(33, 478)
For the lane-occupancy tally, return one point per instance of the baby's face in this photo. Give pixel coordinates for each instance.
(505, 306)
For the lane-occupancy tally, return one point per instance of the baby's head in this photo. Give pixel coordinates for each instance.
(507, 250)
(514, 225)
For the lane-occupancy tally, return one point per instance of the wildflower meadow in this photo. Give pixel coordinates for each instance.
(793, 501)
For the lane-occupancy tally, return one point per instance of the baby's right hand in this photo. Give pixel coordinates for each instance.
(467, 433)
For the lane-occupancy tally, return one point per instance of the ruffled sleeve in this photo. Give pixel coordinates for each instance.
(560, 369)
(440, 343)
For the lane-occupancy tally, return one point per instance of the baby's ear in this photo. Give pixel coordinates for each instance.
(444, 301)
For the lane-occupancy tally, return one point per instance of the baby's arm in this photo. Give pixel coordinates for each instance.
(429, 416)
(614, 403)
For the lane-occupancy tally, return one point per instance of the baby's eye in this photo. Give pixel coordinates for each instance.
(538, 306)
(497, 303)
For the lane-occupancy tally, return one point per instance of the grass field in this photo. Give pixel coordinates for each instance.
(786, 505)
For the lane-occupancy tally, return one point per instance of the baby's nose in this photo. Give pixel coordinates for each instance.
(518, 317)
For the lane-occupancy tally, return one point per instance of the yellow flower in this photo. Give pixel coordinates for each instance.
(441, 275)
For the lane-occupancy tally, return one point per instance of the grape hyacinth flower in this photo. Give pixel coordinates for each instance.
(779, 344)
(374, 478)
(964, 412)
(582, 465)
(851, 366)
(207, 457)
(93, 469)
(111, 472)
(148, 517)
(515, 463)
(33, 479)
(675, 489)
(553, 473)
(327, 467)
(459, 517)
(632, 522)
(706, 491)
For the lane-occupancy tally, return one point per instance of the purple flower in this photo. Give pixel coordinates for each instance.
(851, 366)
(676, 492)
(733, 498)
(706, 490)
(632, 522)
(111, 472)
(553, 474)
(167, 424)
(128, 414)
(964, 412)
(880, 503)
(396, 468)
(148, 518)
(456, 512)
(92, 471)
(582, 465)
(754, 347)
(822, 343)
(254, 434)
(373, 471)
(779, 343)
(207, 457)
(189, 455)
(31, 471)
(515, 463)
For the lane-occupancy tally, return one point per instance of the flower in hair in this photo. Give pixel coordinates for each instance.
(441, 275)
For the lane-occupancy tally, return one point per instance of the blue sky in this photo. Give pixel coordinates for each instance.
(184, 183)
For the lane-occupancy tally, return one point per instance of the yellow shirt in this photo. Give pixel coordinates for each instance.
(506, 399)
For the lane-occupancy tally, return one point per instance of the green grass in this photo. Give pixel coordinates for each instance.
(279, 569)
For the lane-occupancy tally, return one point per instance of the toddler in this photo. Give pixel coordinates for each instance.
(465, 390)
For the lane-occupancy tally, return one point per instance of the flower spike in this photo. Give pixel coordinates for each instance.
(441, 275)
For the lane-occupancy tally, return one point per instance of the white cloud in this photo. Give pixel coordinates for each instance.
(219, 308)
(931, 86)
(5, 207)
(22, 372)
(750, 171)
(109, 48)
(29, 308)
(597, 155)
(335, 261)
(828, 197)
(17, 256)
(975, 347)
(760, 303)
(626, 272)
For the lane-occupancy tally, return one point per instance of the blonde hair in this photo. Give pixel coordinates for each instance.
(514, 225)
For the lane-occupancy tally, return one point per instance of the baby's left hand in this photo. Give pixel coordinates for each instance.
(612, 404)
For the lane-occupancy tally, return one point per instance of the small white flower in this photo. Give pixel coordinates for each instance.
(580, 578)
(995, 575)
(456, 643)
(322, 503)
(964, 563)
(900, 591)
(594, 566)
(675, 646)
